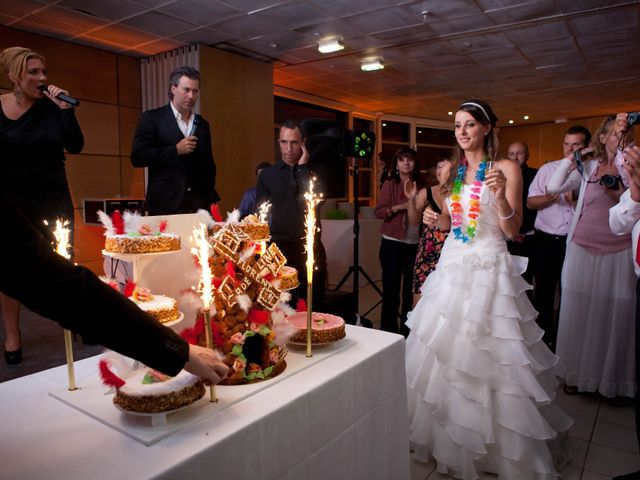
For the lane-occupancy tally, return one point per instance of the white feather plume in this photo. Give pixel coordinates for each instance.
(234, 216)
(244, 301)
(247, 253)
(207, 215)
(132, 221)
(106, 222)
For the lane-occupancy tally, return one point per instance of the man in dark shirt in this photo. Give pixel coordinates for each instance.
(174, 143)
(522, 244)
(284, 184)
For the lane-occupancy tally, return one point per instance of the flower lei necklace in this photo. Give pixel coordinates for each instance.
(461, 233)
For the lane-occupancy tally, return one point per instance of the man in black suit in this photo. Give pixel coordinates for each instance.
(175, 144)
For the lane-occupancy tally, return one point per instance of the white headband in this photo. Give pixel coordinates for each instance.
(473, 104)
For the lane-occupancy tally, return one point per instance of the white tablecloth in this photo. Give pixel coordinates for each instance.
(337, 238)
(343, 418)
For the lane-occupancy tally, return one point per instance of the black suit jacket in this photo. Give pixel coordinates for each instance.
(177, 183)
(74, 297)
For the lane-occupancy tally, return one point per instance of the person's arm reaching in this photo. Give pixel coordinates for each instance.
(79, 301)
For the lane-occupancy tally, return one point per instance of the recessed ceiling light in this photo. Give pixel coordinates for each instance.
(330, 45)
(449, 113)
(371, 64)
(510, 122)
(526, 117)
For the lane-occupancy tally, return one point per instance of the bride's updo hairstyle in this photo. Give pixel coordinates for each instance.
(482, 112)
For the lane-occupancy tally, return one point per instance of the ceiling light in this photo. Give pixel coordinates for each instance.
(371, 64)
(330, 45)
(526, 117)
(510, 122)
(449, 113)
(384, 124)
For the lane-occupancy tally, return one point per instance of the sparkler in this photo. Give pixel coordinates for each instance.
(263, 211)
(310, 228)
(205, 287)
(62, 248)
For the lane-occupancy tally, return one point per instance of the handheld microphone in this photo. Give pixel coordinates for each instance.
(194, 127)
(61, 96)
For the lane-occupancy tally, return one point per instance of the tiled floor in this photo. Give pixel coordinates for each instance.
(603, 436)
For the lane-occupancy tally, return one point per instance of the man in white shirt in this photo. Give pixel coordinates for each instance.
(624, 218)
(174, 143)
(551, 226)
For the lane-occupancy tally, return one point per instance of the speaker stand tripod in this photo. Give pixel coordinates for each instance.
(356, 269)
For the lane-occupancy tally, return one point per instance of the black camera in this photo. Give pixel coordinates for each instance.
(633, 118)
(610, 181)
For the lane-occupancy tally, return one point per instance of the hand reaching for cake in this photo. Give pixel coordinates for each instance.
(206, 364)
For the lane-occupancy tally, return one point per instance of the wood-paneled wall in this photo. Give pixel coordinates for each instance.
(108, 86)
(545, 139)
(237, 99)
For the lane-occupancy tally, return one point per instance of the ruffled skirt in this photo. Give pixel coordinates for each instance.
(480, 381)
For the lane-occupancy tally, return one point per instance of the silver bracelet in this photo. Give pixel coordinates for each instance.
(511, 215)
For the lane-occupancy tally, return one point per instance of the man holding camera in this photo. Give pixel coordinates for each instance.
(555, 213)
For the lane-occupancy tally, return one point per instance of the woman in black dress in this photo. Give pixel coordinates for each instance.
(35, 129)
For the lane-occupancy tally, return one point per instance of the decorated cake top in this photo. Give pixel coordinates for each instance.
(132, 378)
(319, 321)
(131, 224)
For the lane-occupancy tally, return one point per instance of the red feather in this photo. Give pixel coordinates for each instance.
(118, 222)
(163, 225)
(216, 282)
(230, 270)
(108, 377)
(215, 212)
(129, 288)
(259, 317)
(301, 306)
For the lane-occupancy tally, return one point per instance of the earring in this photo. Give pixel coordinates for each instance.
(17, 93)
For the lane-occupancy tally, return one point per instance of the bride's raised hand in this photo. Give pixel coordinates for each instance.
(497, 182)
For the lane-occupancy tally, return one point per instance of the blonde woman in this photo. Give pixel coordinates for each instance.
(35, 129)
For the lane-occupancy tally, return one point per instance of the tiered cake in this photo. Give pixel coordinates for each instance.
(248, 323)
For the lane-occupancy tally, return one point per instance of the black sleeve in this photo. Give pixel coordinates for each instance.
(148, 148)
(78, 300)
(73, 140)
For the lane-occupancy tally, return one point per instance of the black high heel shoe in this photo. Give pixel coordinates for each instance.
(13, 357)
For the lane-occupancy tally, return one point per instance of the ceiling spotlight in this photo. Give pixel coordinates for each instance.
(449, 113)
(371, 64)
(510, 122)
(526, 117)
(330, 45)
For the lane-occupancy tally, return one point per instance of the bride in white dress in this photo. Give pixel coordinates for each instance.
(480, 383)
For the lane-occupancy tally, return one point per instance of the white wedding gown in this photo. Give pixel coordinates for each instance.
(480, 383)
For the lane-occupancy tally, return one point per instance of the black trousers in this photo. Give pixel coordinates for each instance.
(397, 260)
(297, 258)
(549, 252)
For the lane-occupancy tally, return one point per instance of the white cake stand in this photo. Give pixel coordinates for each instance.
(135, 259)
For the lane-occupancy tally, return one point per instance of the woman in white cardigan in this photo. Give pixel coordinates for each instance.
(596, 326)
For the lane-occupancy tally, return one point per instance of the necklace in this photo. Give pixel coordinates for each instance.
(460, 232)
